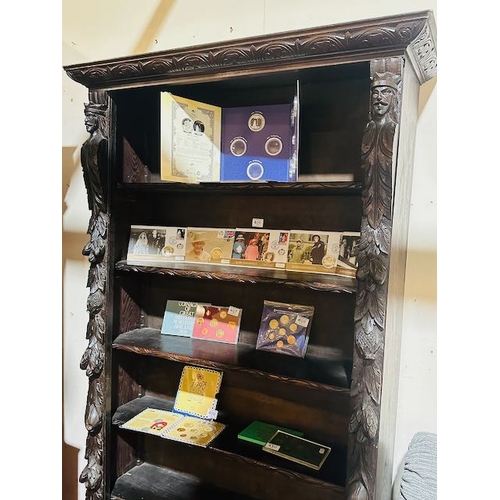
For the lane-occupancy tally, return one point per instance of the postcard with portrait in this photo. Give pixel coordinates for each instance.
(348, 253)
(209, 245)
(156, 244)
(190, 140)
(265, 248)
(217, 323)
(260, 143)
(313, 251)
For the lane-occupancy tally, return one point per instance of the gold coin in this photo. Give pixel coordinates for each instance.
(214, 323)
(273, 323)
(216, 253)
(284, 320)
(271, 336)
(282, 331)
(219, 333)
(293, 327)
(290, 339)
(223, 314)
(328, 261)
(280, 343)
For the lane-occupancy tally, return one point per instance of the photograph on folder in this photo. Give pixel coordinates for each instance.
(190, 140)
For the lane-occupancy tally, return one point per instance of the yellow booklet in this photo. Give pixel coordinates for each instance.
(194, 431)
(194, 411)
(153, 421)
(197, 390)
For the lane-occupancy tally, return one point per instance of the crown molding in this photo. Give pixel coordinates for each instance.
(413, 34)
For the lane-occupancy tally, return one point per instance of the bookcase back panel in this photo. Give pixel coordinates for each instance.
(331, 328)
(333, 112)
(242, 399)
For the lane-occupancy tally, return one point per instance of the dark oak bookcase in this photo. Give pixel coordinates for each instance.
(343, 392)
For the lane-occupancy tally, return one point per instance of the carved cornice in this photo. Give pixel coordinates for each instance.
(362, 40)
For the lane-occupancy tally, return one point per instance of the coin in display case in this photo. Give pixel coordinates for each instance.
(273, 146)
(256, 122)
(238, 146)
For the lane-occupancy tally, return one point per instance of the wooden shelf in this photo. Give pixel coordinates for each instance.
(265, 188)
(241, 454)
(151, 482)
(312, 281)
(319, 369)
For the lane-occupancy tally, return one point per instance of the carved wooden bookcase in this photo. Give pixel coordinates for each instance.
(359, 95)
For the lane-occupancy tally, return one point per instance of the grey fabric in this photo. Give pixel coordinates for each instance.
(419, 476)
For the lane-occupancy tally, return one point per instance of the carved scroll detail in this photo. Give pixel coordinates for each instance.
(372, 274)
(94, 164)
(423, 53)
(359, 39)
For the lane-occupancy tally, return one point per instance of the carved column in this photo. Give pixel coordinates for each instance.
(95, 165)
(378, 147)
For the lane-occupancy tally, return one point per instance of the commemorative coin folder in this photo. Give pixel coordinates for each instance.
(261, 432)
(297, 449)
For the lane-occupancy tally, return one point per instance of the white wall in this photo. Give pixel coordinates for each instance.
(95, 30)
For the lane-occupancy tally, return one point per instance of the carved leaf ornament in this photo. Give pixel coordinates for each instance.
(94, 165)
(372, 274)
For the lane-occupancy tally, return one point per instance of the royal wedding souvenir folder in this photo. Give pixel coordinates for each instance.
(156, 244)
(190, 140)
(209, 245)
(264, 248)
(192, 419)
(201, 142)
(285, 328)
(313, 251)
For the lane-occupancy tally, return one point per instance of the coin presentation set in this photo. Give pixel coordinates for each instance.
(201, 142)
(193, 420)
(290, 250)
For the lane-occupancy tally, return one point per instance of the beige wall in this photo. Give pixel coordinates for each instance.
(96, 29)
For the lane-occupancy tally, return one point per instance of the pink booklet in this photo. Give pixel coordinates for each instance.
(217, 323)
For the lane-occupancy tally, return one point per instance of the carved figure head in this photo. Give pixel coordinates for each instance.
(94, 116)
(384, 91)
